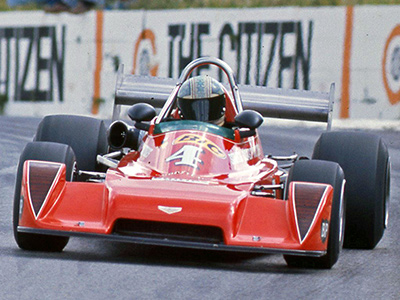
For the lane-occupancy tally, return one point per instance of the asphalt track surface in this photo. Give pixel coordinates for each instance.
(97, 269)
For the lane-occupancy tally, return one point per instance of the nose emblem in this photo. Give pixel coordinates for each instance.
(169, 210)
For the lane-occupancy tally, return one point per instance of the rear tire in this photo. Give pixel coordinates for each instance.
(87, 137)
(45, 151)
(365, 161)
(330, 173)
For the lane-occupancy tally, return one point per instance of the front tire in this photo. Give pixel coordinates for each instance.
(44, 151)
(329, 173)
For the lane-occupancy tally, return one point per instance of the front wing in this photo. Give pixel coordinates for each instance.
(298, 226)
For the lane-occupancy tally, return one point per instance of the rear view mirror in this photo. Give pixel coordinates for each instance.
(141, 112)
(249, 119)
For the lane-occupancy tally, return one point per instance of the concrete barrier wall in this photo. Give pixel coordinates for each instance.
(67, 64)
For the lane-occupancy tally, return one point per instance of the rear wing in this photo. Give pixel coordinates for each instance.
(270, 102)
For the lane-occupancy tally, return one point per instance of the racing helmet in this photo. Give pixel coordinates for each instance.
(202, 98)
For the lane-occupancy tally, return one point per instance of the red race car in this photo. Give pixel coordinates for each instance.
(194, 175)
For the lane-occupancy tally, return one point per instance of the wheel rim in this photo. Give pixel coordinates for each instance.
(387, 195)
(341, 215)
(73, 172)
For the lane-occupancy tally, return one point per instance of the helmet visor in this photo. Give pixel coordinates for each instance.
(204, 110)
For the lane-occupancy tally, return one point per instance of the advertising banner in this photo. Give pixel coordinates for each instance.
(375, 63)
(68, 64)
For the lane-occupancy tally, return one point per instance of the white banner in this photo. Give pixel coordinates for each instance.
(68, 64)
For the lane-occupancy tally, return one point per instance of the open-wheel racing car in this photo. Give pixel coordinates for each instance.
(194, 175)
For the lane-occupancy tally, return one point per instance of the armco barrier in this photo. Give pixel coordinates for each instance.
(67, 64)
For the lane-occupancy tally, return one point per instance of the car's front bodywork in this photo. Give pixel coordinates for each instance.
(190, 186)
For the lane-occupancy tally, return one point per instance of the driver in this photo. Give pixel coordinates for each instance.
(202, 98)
